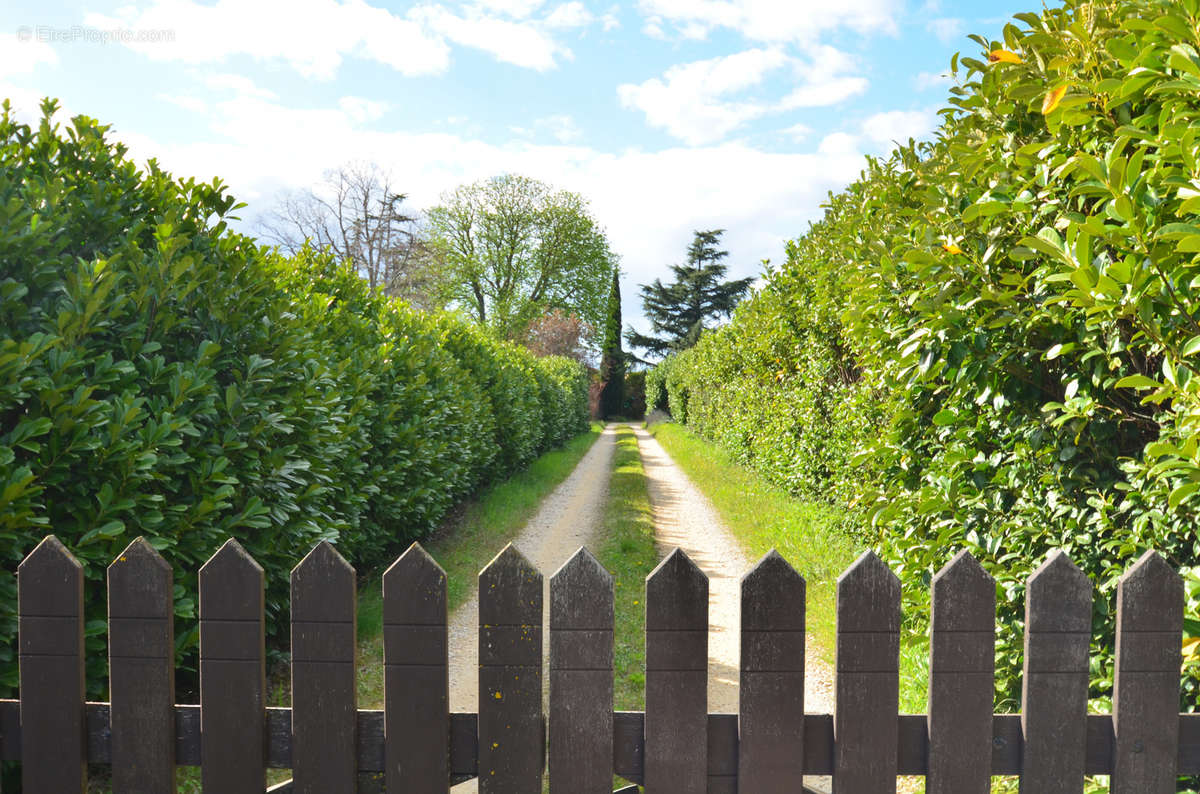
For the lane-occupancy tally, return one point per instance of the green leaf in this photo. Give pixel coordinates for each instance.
(1137, 382)
(945, 417)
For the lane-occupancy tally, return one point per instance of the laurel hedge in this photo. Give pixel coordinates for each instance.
(162, 375)
(989, 341)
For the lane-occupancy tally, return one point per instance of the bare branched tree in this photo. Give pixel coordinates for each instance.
(356, 214)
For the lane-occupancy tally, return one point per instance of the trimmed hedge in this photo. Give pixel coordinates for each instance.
(989, 341)
(163, 376)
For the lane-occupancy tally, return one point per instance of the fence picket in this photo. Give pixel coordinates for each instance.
(232, 673)
(51, 670)
(676, 746)
(961, 678)
(416, 677)
(511, 739)
(581, 677)
(141, 670)
(1146, 692)
(866, 717)
(1058, 623)
(771, 689)
(324, 707)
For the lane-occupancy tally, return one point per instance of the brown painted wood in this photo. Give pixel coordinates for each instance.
(628, 735)
(232, 673)
(1146, 690)
(324, 701)
(1054, 693)
(771, 692)
(416, 680)
(511, 733)
(141, 670)
(581, 677)
(676, 743)
(866, 722)
(961, 678)
(722, 751)
(51, 669)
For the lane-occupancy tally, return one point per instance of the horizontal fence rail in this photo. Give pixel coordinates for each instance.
(415, 744)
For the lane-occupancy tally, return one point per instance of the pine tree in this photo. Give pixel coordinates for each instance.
(612, 361)
(679, 311)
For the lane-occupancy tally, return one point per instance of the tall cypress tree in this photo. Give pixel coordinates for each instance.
(612, 360)
(679, 311)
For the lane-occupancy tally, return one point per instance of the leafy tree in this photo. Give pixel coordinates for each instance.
(679, 311)
(357, 215)
(612, 363)
(514, 248)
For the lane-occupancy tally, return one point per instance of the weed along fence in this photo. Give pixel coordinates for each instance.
(415, 745)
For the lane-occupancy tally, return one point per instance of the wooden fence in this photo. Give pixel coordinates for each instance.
(415, 745)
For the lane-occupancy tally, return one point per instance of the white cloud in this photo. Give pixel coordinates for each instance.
(360, 109)
(312, 36)
(561, 127)
(692, 101)
(517, 9)
(947, 29)
(687, 103)
(569, 15)
(878, 134)
(518, 43)
(798, 132)
(315, 36)
(22, 57)
(897, 126)
(611, 20)
(775, 21)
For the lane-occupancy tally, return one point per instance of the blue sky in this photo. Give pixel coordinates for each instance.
(668, 115)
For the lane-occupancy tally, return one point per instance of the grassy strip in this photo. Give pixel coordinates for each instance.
(809, 534)
(629, 555)
(463, 545)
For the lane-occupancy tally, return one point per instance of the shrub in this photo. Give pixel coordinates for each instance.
(988, 341)
(163, 376)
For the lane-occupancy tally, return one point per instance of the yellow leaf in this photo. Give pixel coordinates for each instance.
(1003, 56)
(1053, 97)
(1190, 645)
(951, 248)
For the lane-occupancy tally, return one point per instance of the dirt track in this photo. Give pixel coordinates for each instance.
(568, 519)
(684, 517)
(571, 516)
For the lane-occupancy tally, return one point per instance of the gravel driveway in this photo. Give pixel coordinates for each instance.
(684, 517)
(569, 518)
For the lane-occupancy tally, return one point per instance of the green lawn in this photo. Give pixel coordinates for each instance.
(629, 555)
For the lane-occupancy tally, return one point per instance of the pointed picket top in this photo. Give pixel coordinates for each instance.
(414, 590)
(1058, 596)
(773, 596)
(323, 586)
(581, 594)
(510, 590)
(140, 583)
(1150, 595)
(868, 596)
(57, 577)
(676, 594)
(231, 585)
(964, 595)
